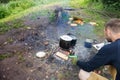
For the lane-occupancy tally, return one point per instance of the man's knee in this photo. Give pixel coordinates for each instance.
(83, 75)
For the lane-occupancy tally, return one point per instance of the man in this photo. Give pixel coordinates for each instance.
(108, 55)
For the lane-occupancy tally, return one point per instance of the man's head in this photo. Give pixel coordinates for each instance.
(112, 30)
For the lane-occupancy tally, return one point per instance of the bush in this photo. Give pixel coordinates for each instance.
(4, 1)
(115, 4)
(14, 7)
(4, 12)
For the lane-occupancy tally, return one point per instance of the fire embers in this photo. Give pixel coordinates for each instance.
(75, 21)
(78, 20)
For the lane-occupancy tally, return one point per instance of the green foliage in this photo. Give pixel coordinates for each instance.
(14, 7)
(4, 1)
(10, 25)
(114, 4)
(4, 12)
(78, 3)
(19, 8)
(92, 10)
(94, 4)
(3, 56)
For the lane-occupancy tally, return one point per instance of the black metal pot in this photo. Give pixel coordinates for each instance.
(65, 42)
(73, 42)
(74, 39)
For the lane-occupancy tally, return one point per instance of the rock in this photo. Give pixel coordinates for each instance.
(32, 70)
(73, 24)
(42, 34)
(30, 48)
(5, 43)
(46, 43)
(26, 44)
(4, 76)
(57, 71)
(70, 19)
(29, 64)
(69, 22)
(46, 77)
(8, 68)
(38, 17)
(93, 23)
(28, 27)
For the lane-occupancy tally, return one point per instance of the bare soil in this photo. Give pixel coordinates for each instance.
(20, 46)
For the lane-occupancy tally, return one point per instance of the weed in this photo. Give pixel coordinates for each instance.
(52, 16)
(9, 40)
(4, 27)
(20, 57)
(4, 56)
(4, 12)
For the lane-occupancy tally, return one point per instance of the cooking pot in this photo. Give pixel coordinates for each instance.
(88, 43)
(74, 40)
(65, 42)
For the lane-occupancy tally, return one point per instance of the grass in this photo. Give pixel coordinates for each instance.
(39, 5)
(6, 26)
(18, 9)
(99, 19)
(13, 20)
(4, 56)
(96, 13)
(8, 55)
(86, 4)
(14, 7)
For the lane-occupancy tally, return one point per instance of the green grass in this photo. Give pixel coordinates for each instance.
(14, 20)
(86, 4)
(6, 26)
(14, 7)
(4, 11)
(4, 56)
(23, 6)
(96, 13)
(14, 10)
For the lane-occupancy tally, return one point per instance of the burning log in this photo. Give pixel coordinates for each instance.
(78, 20)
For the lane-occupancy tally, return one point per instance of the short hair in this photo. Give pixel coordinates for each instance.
(114, 25)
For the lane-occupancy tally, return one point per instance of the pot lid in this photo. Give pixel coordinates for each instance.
(66, 37)
(73, 37)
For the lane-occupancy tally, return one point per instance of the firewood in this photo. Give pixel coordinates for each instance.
(61, 55)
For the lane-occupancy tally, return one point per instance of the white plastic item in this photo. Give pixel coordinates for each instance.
(40, 54)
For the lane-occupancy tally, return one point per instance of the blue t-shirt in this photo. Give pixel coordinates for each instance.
(108, 55)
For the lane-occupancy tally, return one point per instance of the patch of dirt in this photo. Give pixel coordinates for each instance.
(23, 43)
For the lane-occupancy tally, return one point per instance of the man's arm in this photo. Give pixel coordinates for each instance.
(103, 57)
